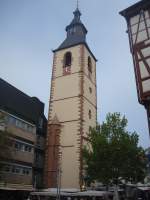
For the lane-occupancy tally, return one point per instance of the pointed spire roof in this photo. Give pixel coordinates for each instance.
(76, 21)
(76, 33)
(77, 15)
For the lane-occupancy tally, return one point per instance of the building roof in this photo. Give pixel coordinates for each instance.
(20, 104)
(135, 9)
(76, 34)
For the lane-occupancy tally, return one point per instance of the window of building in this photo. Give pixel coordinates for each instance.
(26, 171)
(90, 114)
(90, 90)
(29, 128)
(28, 148)
(6, 168)
(21, 124)
(11, 120)
(67, 59)
(13, 170)
(25, 126)
(19, 146)
(16, 170)
(67, 63)
(89, 67)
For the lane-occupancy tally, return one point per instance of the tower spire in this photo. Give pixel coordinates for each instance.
(76, 31)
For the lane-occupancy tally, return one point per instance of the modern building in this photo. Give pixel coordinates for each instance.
(26, 123)
(72, 108)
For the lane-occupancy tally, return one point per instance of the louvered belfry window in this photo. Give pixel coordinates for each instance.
(67, 59)
(67, 63)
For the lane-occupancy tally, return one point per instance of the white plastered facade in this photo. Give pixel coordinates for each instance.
(66, 104)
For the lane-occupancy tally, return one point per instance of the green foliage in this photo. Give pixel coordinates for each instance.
(113, 152)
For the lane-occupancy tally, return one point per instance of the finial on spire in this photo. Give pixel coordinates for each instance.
(77, 13)
(77, 4)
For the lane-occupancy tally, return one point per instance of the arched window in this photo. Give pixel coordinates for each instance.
(89, 64)
(67, 59)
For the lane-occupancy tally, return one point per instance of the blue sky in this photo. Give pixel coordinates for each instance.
(30, 29)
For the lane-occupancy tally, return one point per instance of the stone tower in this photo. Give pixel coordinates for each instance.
(72, 108)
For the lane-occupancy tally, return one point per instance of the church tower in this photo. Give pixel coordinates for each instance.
(72, 107)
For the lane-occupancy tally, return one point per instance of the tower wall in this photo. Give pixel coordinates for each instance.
(71, 101)
(90, 98)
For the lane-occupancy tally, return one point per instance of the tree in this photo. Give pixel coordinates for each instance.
(113, 152)
(4, 141)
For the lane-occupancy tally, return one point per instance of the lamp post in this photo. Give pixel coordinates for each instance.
(59, 177)
(138, 28)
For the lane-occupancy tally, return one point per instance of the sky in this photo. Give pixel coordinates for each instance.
(31, 29)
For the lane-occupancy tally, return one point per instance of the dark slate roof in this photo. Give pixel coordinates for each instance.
(76, 34)
(135, 9)
(71, 41)
(19, 104)
(77, 43)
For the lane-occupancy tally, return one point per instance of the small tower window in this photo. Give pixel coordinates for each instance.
(67, 63)
(90, 114)
(67, 59)
(90, 90)
(89, 64)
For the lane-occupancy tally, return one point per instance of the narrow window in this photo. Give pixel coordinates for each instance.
(67, 59)
(67, 63)
(90, 90)
(89, 65)
(90, 114)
